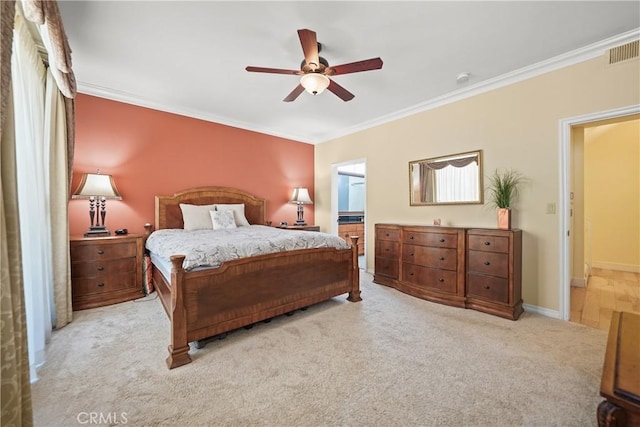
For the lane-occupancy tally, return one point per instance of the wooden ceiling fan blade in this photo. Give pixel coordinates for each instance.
(272, 70)
(341, 92)
(294, 94)
(309, 43)
(355, 67)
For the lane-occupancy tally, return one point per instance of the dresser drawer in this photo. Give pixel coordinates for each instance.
(387, 234)
(386, 267)
(430, 257)
(493, 289)
(103, 268)
(490, 263)
(387, 249)
(489, 243)
(112, 282)
(103, 251)
(440, 240)
(432, 278)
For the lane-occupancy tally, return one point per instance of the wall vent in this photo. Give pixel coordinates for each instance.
(624, 52)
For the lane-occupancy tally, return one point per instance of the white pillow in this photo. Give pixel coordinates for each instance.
(222, 220)
(238, 213)
(196, 217)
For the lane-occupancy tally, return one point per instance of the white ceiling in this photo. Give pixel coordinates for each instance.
(189, 57)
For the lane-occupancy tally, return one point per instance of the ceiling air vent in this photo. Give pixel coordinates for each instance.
(624, 52)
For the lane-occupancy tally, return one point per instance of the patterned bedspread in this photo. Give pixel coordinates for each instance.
(210, 248)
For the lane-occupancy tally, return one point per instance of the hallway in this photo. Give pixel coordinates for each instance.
(607, 291)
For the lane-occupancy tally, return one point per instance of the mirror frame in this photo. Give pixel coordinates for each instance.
(479, 201)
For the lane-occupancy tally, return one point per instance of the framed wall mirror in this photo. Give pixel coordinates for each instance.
(454, 180)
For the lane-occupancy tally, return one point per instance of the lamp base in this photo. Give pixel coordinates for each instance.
(97, 232)
(301, 222)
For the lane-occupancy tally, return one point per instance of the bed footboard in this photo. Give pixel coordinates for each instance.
(201, 304)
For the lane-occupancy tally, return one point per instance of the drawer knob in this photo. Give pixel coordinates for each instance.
(387, 234)
(487, 287)
(100, 252)
(101, 284)
(487, 263)
(387, 249)
(411, 254)
(441, 240)
(411, 237)
(410, 274)
(441, 258)
(441, 280)
(101, 268)
(487, 243)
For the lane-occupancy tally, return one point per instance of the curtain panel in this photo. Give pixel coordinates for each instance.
(15, 392)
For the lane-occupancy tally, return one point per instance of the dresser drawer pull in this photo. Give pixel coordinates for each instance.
(387, 250)
(441, 280)
(487, 243)
(441, 240)
(410, 237)
(387, 234)
(100, 252)
(487, 263)
(411, 254)
(100, 268)
(411, 274)
(441, 258)
(487, 287)
(101, 284)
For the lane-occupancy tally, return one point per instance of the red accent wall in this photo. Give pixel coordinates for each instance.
(150, 152)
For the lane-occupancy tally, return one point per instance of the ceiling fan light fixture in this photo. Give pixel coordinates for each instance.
(314, 83)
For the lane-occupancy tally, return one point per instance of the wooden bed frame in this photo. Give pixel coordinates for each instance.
(204, 303)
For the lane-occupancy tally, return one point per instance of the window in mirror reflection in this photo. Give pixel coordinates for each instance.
(451, 179)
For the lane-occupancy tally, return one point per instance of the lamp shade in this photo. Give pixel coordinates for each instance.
(97, 185)
(314, 83)
(301, 196)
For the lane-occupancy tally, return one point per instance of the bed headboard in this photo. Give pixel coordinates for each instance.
(169, 215)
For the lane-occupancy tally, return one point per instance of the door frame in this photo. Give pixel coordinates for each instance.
(334, 198)
(564, 226)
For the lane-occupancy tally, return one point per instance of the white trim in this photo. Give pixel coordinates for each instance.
(565, 191)
(618, 267)
(560, 61)
(579, 283)
(542, 310)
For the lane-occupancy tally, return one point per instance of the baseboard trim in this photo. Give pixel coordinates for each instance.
(578, 283)
(555, 314)
(617, 267)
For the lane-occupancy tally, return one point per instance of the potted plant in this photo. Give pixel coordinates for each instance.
(503, 190)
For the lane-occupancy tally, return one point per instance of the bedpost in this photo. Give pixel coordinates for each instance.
(179, 347)
(354, 294)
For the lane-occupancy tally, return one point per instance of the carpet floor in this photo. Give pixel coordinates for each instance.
(390, 360)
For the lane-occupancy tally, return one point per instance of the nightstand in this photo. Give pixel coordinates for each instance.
(301, 227)
(106, 270)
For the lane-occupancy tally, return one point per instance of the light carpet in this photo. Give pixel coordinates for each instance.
(390, 360)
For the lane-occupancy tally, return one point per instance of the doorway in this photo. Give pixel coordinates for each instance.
(348, 203)
(580, 263)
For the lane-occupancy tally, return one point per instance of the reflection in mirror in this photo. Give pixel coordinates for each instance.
(455, 179)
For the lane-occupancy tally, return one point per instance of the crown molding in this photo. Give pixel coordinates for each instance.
(557, 62)
(129, 98)
(560, 61)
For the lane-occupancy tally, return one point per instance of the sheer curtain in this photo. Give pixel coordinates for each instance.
(29, 77)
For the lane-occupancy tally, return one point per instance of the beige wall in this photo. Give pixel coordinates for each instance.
(612, 194)
(517, 127)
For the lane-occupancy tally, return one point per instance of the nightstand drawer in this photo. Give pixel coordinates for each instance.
(103, 268)
(103, 251)
(113, 282)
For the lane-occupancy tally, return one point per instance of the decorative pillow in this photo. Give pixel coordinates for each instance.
(222, 220)
(196, 217)
(238, 213)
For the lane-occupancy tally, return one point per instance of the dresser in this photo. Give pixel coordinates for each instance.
(472, 268)
(494, 271)
(433, 264)
(106, 270)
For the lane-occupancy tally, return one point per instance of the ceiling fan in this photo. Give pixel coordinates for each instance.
(315, 70)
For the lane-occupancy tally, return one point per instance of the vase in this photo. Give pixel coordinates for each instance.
(504, 218)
